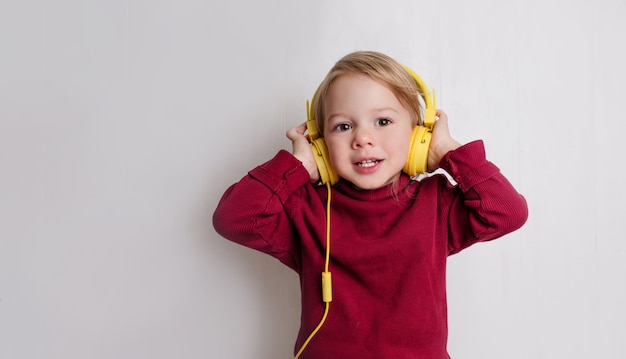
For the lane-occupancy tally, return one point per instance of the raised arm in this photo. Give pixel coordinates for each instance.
(485, 206)
(254, 212)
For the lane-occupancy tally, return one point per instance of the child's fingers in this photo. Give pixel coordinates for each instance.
(442, 125)
(302, 150)
(295, 133)
(300, 143)
(441, 114)
(442, 142)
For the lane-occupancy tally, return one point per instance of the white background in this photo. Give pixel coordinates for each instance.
(122, 123)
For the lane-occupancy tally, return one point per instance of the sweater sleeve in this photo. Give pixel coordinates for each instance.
(254, 212)
(485, 206)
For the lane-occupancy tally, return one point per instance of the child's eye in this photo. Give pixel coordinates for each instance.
(343, 127)
(383, 121)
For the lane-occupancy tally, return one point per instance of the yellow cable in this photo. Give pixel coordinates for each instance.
(326, 279)
(314, 332)
(327, 228)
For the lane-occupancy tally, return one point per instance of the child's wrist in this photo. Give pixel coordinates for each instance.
(309, 166)
(442, 151)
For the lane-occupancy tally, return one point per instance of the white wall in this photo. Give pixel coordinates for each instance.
(122, 122)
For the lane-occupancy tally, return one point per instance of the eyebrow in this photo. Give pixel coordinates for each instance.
(335, 115)
(375, 110)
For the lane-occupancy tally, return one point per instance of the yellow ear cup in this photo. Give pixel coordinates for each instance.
(322, 159)
(320, 151)
(417, 161)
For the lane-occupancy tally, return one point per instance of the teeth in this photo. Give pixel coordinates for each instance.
(367, 163)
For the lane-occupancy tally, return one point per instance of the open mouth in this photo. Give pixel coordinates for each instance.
(368, 163)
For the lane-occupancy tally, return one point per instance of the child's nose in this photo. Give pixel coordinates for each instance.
(362, 138)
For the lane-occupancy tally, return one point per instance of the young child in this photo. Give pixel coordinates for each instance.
(390, 233)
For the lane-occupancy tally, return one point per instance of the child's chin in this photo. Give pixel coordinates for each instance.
(369, 185)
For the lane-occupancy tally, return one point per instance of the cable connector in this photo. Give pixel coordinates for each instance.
(327, 287)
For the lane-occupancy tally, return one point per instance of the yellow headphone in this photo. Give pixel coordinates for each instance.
(417, 160)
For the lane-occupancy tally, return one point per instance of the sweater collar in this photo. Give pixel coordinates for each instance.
(394, 190)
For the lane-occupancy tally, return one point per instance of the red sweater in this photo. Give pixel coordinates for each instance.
(388, 250)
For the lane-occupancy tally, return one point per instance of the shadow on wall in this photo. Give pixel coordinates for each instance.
(259, 298)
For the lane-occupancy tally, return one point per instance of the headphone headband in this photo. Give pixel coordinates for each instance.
(429, 99)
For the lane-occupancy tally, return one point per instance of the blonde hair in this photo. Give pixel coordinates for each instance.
(378, 67)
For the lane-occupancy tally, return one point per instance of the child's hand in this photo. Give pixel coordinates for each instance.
(441, 142)
(302, 150)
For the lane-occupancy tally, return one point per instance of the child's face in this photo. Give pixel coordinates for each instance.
(367, 131)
